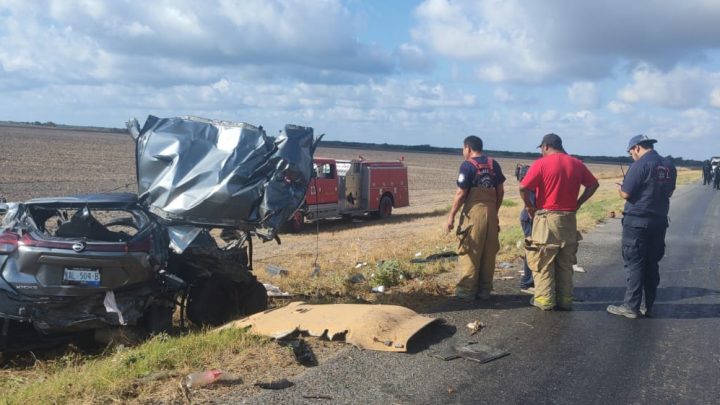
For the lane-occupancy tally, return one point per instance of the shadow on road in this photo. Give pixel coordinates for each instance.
(598, 298)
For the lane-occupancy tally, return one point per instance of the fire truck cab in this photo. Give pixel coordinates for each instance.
(346, 188)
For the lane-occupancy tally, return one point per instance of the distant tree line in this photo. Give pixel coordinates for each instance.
(519, 155)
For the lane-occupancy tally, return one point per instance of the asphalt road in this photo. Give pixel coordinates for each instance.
(581, 357)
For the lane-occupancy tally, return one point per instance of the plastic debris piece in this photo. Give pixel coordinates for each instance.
(505, 265)
(479, 352)
(360, 264)
(379, 289)
(418, 254)
(507, 278)
(475, 327)
(446, 354)
(275, 291)
(112, 306)
(194, 380)
(275, 385)
(578, 269)
(274, 270)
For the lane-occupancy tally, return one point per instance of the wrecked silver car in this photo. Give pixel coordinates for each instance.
(76, 265)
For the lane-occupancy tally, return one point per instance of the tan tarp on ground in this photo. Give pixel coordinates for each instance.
(375, 327)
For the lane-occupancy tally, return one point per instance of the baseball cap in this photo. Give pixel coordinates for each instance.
(639, 139)
(552, 140)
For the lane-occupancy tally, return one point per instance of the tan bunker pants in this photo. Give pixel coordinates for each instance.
(478, 233)
(551, 253)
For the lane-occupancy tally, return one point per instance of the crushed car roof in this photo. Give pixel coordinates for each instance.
(97, 198)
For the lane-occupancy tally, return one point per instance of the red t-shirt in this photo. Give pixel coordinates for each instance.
(557, 179)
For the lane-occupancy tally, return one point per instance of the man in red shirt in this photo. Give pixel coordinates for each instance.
(552, 248)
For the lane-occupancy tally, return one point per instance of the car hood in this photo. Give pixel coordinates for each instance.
(194, 171)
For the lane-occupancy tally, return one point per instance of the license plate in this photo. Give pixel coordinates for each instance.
(82, 276)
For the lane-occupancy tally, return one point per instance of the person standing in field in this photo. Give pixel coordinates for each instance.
(480, 193)
(647, 188)
(716, 177)
(552, 248)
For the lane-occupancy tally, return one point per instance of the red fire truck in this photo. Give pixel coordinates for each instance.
(346, 188)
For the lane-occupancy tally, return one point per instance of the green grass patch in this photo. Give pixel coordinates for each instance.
(108, 378)
(509, 203)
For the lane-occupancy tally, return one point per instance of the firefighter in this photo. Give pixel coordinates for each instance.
(647, 187)
(707, 172)
(716, 177)
(480, 193)
(552, 247)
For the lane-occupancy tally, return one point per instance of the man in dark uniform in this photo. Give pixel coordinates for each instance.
(707, 172)
(648, 185)
(527, 285)
(480, 193)
(716, 177)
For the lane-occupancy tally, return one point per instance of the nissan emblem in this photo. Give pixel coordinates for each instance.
(78, 247)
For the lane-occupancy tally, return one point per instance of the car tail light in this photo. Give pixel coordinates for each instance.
(8, 242)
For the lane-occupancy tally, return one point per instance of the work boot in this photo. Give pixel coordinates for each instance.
(483, 295)
(645, 312)
(532, 302)
(622, 310)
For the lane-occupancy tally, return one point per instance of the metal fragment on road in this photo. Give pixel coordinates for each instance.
(578, 269)
(275, 385)
(479, 352)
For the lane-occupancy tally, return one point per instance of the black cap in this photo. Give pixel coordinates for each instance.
(552, 140)
(637, 139)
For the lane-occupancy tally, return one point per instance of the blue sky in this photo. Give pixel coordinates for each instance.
(405, 72)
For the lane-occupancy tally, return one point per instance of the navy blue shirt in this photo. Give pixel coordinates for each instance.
(469, 177)
(649, 182)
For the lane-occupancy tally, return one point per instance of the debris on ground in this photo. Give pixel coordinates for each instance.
(302, 351)
(435, 257)
(199, 379)
(479, 352)
(379, 289)
(475, 327)
(274, 270)
(507, 278)
(275, 385)
(315, 273)
(275, 291)
(418, 254)
(356, 278)
(363, 325)
(578, 269)
(504, 265)
(360, 264)
(317, 397)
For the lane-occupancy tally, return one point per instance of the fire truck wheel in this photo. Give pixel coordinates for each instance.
(385, 207)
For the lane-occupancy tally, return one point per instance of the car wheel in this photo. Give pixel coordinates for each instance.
(213, 301)
(385, 207)
(253, 297)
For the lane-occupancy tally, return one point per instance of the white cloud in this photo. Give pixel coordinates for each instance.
(527, 41)
(618, 107)
(678, 88)
(584, 95)
(503, 95)
(715, 98)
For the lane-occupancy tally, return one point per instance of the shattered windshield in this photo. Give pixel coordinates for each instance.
(106, 225)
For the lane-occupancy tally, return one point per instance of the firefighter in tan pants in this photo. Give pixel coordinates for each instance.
(552, 248)
(480, 193)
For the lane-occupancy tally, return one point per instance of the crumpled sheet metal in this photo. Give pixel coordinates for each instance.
(194, 171)
(385, 328)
